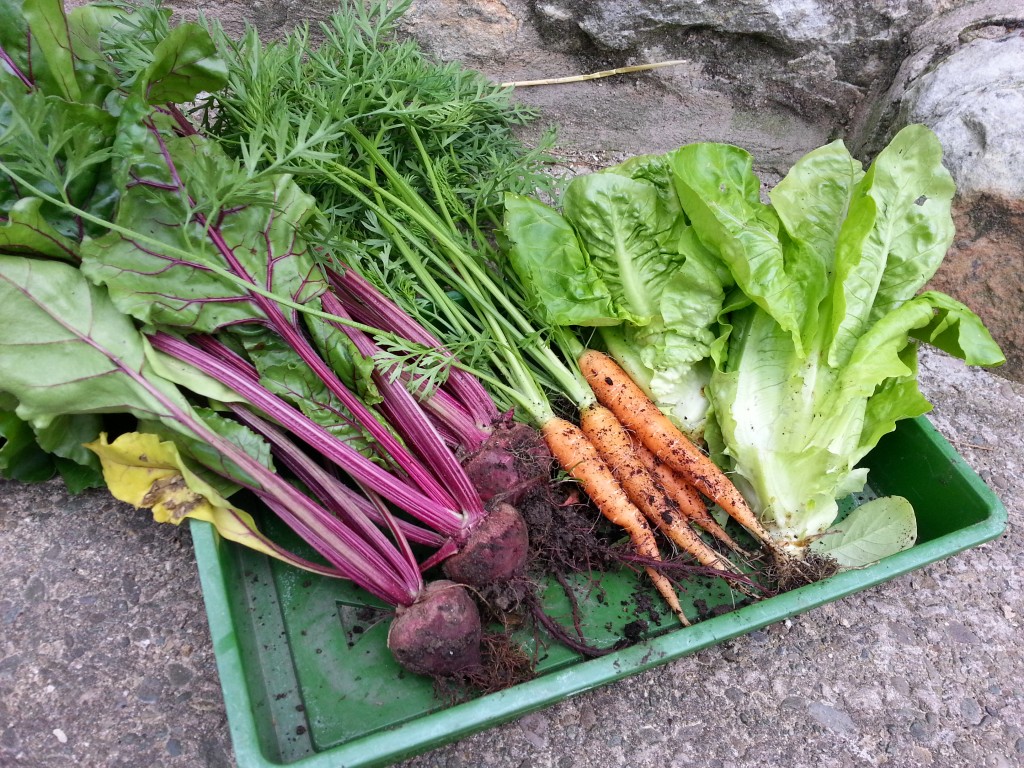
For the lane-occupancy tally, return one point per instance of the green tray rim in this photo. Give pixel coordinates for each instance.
(445, 726)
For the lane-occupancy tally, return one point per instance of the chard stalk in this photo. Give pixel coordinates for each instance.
(441, 518)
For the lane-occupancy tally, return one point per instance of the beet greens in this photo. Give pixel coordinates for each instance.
(145, 272)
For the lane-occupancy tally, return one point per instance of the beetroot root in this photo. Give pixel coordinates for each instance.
(511, 461)
(495, 551)
(440, 633)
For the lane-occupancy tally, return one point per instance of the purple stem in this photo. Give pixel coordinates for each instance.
(452, 420)
(350, 515)
(336, 496)
(339, 545)
(185, 126)
(404, 412)
(6, 59)
(395, 525)
(244, 368)
(374, 577)
(371, 307)
(441, 518)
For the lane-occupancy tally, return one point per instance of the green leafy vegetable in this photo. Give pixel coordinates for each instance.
(794, 320)
(563, 286)
(185, 62)
(621, 257)
(66, 349)
(807, 386)
(21, 458)
(874, 530)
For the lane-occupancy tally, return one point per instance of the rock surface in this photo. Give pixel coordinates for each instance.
(974, 100)
(964, 78)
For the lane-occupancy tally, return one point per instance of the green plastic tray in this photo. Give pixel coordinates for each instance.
(308, 681)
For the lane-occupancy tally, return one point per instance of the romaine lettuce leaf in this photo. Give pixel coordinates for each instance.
(543, 251)
(874, 530)
(621, 257)
(799, 399)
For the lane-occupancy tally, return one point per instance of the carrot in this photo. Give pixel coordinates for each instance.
(686, 497)
(615, 445)
(580, 458)
(615, 390)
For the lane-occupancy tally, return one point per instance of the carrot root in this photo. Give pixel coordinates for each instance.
(615, 390)
(577, 456)
(687, 498)
(615, 446)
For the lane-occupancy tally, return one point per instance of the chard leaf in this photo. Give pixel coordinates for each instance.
(52, 51)
(76, 477)
(283, 373)
(210, 266)
(353, 369)
(47, 25)
(21, 458)
(185, 62)
(66, 349)
(26, 231)
(31, 456)
(16, 42)
(189, 377)
(65, 436)
(144, 471)
(555, 272)
(208, 463)
(874, 530)
(86, 26)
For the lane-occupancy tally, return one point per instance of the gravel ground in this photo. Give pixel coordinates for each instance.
(105, 657)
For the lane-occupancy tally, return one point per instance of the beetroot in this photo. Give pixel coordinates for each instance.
(440, 633)
(494, 552)
(510, 462)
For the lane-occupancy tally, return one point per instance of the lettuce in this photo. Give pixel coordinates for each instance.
(622, 258)
(784, 332)
(822, 362)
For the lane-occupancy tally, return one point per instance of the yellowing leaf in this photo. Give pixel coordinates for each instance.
(144, 471)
